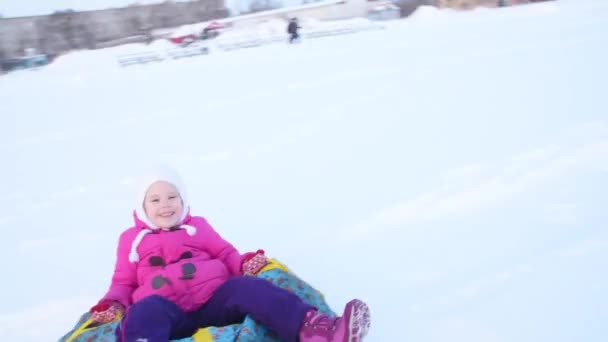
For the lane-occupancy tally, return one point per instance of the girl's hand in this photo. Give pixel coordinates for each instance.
(254, 262)
(106, 312)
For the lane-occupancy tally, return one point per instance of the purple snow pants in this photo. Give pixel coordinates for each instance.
(156, 319)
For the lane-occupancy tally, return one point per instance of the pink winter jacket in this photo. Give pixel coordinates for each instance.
(160, 270)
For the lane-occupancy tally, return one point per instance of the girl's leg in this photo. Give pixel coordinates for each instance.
(277, 309)
(155, 319)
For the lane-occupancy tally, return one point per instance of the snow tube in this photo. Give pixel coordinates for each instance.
(247, 331)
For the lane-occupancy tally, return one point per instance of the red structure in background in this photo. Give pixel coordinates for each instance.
(210, 31)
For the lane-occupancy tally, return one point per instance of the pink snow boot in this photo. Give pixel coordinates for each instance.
(351, 327)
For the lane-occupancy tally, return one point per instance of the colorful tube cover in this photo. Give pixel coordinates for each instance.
(248, 331)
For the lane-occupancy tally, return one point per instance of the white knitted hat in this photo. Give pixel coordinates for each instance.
(157, 174)
(153, 175)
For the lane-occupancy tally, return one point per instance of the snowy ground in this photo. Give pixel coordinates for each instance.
(452, 170)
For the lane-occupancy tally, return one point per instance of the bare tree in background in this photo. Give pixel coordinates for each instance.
(159, 17)
(68, 30)
(262, 5)
(2, 51)
(134, 25)
(86, 36)
(61, 24)
(410, 6)
(44, 43)
(23, 44)
(201, 13)
(170, 15)
(133, 20)
(144, 17)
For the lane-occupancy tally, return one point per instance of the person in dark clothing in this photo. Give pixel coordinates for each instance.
(292, 29)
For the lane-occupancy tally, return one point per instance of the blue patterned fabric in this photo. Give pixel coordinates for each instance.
(248, 331)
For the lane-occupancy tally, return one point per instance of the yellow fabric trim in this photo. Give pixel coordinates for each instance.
(274, 264)
(84, 327)
(202, 335)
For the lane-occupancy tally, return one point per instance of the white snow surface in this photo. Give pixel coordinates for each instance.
(451, 170)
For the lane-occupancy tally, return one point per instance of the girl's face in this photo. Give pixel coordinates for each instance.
(163, 205)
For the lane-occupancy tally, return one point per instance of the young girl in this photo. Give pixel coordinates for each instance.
(174, 274)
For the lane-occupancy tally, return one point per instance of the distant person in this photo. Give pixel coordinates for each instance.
(292, 29)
